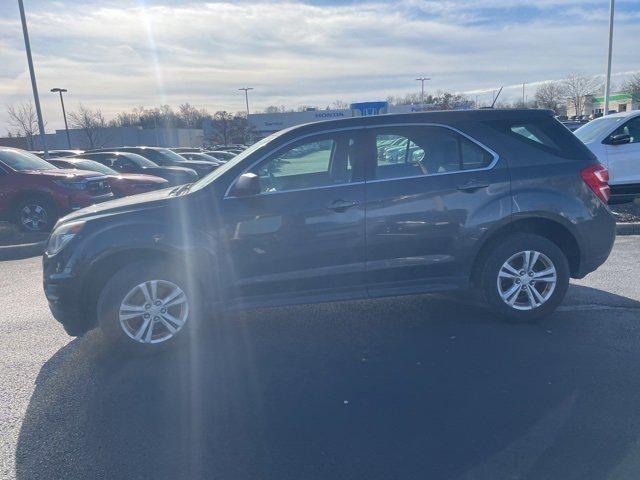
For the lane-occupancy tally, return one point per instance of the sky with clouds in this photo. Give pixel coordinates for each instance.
(118, 54)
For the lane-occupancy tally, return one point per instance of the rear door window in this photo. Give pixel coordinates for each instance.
(411, 151)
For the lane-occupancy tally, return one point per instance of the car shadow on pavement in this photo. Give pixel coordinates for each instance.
(413, 387)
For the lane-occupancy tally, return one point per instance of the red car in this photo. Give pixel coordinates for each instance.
(122, 184)
(34, 193)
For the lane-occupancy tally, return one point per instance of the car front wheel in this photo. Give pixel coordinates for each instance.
(525, 277)
(147, 307)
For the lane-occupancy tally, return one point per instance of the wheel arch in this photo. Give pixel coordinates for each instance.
(105, 266)
(552, 229)
(23, 195)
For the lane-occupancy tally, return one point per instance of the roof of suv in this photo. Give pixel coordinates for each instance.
(444, 117)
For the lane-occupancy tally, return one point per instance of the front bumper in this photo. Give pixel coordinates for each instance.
(83, 200)
(63, 292)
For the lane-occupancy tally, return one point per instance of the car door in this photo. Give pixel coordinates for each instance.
(624, 159)
(303, 234)
(427, 204)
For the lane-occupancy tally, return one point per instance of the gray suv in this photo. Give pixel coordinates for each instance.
(508, 202)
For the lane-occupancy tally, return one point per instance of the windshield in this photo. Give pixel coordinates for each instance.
(596, 128)
(206, 180)
(173, 156)
(137, 159)
(20, 160)
(94, 167)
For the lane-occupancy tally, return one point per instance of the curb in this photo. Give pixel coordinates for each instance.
(25, 250)
(632, 228)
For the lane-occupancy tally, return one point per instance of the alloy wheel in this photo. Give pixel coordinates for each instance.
(153, 311)
(527, 280)
(34, 217)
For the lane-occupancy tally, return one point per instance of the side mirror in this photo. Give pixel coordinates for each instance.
(247, 184)
(619, 139)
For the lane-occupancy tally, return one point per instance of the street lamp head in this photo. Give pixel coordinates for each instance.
(56, 90)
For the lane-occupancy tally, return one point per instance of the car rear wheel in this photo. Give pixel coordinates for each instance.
(525, 277)
(36, 214)
(147, 307)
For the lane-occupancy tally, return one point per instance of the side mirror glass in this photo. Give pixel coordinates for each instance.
(247, 184)
(619, 139)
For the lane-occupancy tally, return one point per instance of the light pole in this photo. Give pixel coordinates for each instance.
(523, 105)
(64, 114)
(607, 84)
(422, 80)
(34, 86)
(246, 97)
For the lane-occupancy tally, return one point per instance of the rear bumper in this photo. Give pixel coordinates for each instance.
(597, 237)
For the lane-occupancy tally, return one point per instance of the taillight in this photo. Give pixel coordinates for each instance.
(597, 177)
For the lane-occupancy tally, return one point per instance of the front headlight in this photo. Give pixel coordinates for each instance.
(75, 185)
(63, 235)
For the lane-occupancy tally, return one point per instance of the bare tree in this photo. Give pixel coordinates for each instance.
(190, 117)
(242, 131)
(632, 85)
(550, 95)
(227, 128)
(222, 127)
(24, 120)
(272, 109)
(92, 124)
(577, 88)
(339, 105)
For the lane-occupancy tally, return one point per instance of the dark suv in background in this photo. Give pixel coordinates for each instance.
(124, 162)
(505, 201)
(168, 158)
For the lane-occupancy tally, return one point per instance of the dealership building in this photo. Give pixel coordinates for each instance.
(618, 102)
(268, 123)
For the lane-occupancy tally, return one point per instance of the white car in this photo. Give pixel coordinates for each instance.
(615, 140)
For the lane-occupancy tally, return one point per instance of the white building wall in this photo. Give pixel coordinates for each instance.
(121, 136)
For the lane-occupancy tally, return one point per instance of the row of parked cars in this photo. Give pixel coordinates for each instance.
(35, 192)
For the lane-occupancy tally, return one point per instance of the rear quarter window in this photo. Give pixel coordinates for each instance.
(544, 133)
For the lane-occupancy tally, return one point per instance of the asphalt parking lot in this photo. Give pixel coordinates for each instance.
(412, 387)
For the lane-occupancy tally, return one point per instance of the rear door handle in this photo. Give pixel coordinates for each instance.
(472, 186)
(341, 205)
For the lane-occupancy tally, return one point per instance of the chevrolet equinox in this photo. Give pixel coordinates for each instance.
(505, 201)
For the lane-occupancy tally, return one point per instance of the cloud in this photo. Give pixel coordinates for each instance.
(117, 55)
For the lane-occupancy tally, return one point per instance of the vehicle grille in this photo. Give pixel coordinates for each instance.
(98, 187)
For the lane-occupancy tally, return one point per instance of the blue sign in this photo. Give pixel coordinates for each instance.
(366, 109)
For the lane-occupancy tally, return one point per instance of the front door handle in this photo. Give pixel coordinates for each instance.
(341, 205)
(472, 186)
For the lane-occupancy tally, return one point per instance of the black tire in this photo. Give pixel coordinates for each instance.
(122, 283)
(503, 251)
(45, 208)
